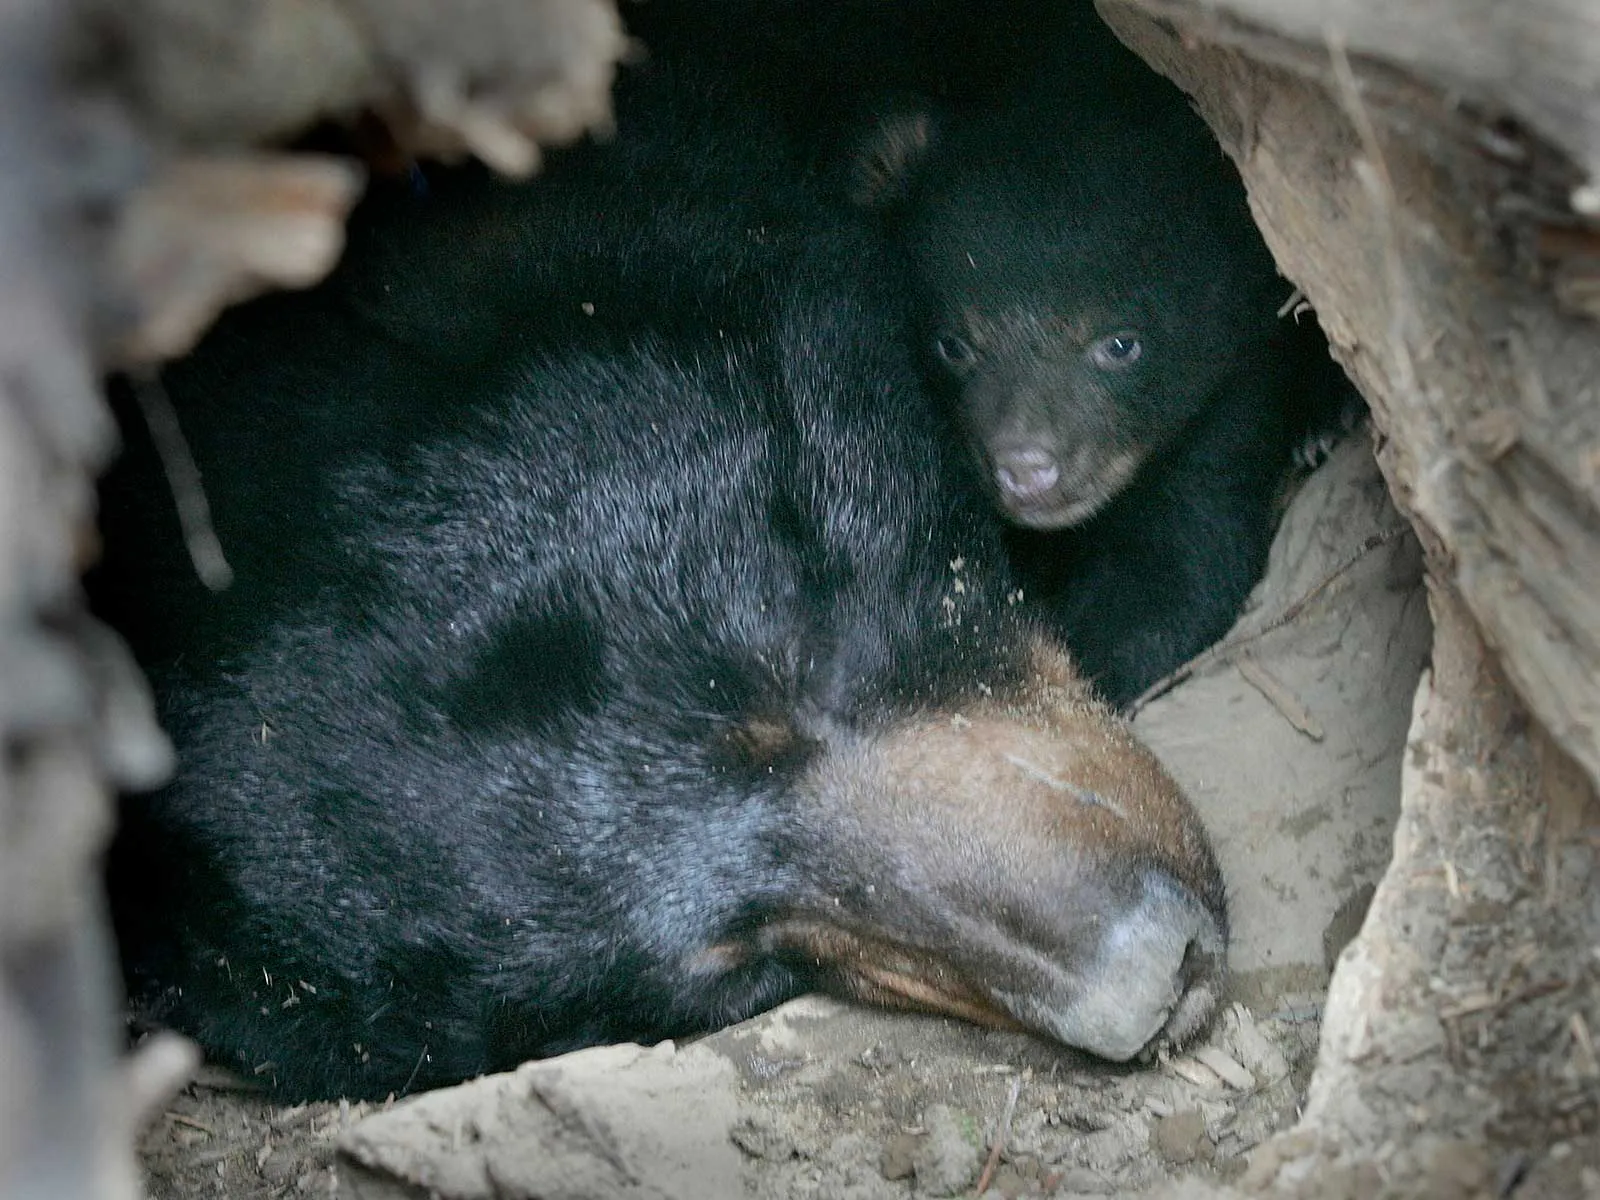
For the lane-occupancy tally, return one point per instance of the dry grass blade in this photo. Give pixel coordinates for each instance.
(1002, 1131)
(183, 477)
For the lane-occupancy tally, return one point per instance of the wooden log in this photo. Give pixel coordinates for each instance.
(1536, 63)
(1420, 232)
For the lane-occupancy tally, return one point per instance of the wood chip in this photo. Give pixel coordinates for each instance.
(1230, 1072)
(180, 1119)
(207, 232)
(1588, 1063)
(220, 1079)
(1472, 1002)
(1192, 1071)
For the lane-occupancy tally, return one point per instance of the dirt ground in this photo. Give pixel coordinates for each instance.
(817, 1099)
(1291, 745)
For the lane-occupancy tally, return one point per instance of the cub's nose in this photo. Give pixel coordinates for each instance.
(1026, 473)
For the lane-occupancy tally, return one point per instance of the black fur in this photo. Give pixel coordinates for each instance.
(541, 612)
(1092, 292)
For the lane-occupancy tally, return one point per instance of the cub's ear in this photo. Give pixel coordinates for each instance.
(888, 155)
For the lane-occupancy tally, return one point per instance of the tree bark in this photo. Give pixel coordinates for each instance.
(1432, 242)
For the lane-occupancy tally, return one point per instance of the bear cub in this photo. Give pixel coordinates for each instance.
(1093, 299)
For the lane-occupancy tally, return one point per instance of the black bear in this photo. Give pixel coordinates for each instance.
(1100, 311)
(616, 648)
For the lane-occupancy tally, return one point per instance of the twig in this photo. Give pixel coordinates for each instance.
(1224, 651)
(1585, 1043)
(1289, 705)
(183, 477)
(1533, 991)
(1295, 306)
(1002, 1131)
(412, 1078)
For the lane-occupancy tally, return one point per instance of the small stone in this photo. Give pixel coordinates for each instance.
(946, 1159)
(1272, 1156)
(1111, 1148)
(1178, 1138)
(1008, 1184)
(1455, 1167)
(279, 1166)
(898, 1154)
(760, 1138)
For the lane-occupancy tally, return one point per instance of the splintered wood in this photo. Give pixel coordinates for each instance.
(208, 232)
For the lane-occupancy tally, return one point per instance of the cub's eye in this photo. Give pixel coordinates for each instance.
(1116, 351)
(953, 350)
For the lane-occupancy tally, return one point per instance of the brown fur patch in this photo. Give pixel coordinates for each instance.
(879, 173)
(719, 958)
(877, 971)
(1013, 326)
(1049, 763)
(766, 741)
(975, 863)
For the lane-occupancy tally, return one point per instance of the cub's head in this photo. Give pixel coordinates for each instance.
(1086, 283)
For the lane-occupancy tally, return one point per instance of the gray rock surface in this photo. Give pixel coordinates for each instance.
(1290, 744)
(615, 1121)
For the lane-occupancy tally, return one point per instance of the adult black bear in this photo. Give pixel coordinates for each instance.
(1098, 307)
(615, 650)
